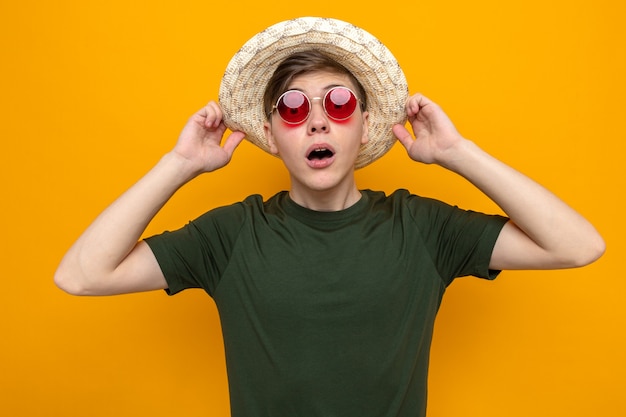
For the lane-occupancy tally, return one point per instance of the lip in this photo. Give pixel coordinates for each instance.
(319, 163)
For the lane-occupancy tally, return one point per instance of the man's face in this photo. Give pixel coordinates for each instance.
(319, 152)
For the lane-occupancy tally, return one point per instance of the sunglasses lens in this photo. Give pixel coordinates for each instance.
(293, 107)
(340, 103)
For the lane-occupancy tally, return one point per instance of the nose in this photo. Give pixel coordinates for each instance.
(318, 121)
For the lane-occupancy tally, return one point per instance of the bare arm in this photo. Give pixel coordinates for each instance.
(544, 232)
(107, 258)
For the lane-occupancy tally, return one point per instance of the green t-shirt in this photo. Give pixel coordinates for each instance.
(328, 313)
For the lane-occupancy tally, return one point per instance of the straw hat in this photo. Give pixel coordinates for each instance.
(372, 64)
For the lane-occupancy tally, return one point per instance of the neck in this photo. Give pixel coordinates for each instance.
(326, 200)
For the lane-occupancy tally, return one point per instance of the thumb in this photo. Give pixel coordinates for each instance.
(232, 141)
(403, 135)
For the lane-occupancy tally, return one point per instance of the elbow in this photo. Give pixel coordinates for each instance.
(588, 252)
(69, 282)
(65, 284)
(596, 249)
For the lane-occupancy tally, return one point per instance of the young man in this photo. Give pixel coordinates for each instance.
(327, 294)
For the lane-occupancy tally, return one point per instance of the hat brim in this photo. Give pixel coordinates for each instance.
(372, 64)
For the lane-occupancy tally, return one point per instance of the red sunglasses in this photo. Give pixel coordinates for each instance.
(294, 106)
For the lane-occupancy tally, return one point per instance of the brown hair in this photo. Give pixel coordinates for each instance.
(302, 63)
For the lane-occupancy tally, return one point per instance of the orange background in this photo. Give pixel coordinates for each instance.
(93, 93)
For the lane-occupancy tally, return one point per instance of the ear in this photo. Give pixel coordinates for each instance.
(366, 128)
(267, 130)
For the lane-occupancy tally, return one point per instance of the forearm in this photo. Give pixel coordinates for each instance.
(105, 244)
(544, 231)
(563, 237)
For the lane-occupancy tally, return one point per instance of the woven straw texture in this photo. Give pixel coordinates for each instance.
(247, 74)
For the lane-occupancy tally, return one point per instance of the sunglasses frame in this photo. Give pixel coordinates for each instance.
(309, 100)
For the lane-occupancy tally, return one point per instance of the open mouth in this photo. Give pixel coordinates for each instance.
(320, 153)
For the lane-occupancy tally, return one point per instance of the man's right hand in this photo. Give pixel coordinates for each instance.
(200, 142)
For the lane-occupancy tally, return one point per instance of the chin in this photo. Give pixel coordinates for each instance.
(328, 181)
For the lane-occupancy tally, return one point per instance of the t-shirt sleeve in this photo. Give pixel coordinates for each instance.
(195, 255)
(461, 241)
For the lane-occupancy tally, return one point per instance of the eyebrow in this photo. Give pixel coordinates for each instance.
(328, 87)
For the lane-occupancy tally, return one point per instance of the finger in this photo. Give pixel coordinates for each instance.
(213, 114)
(416, 103)
(413, 104)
